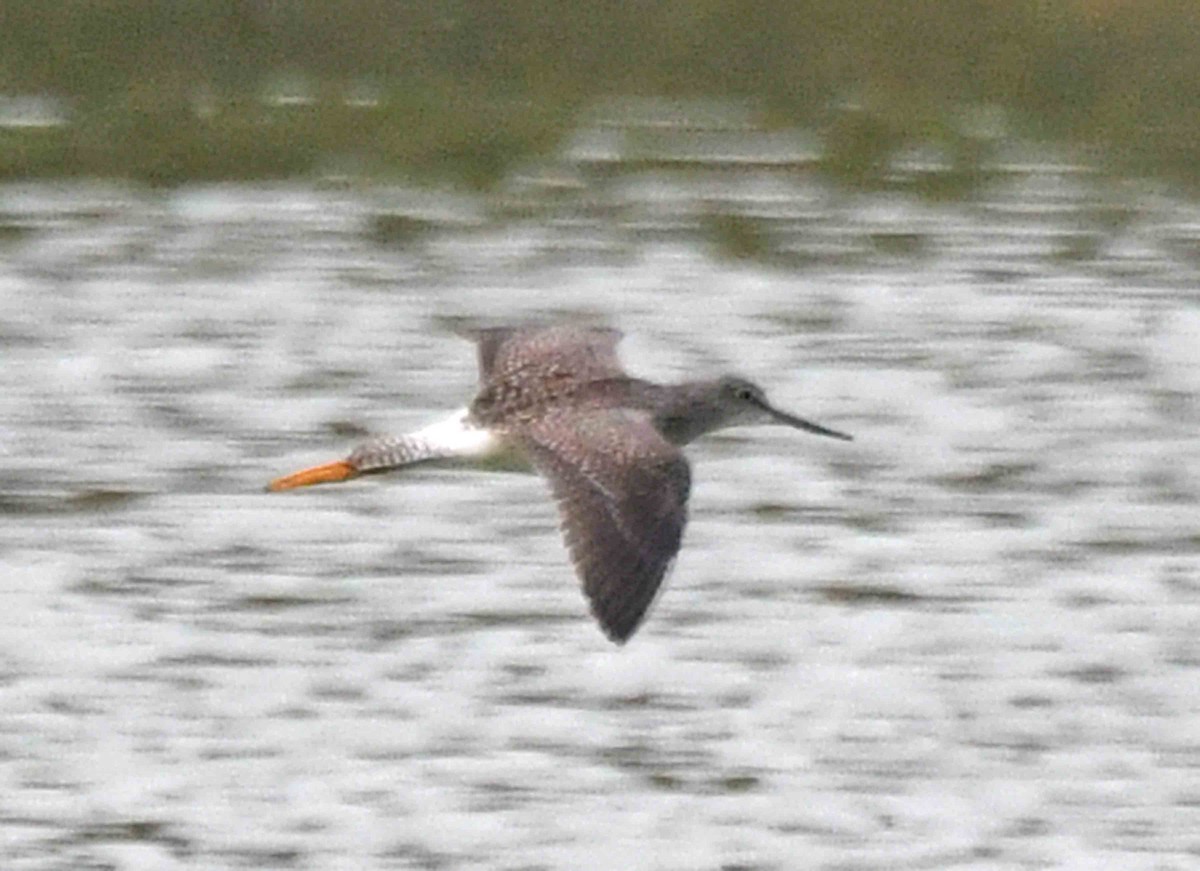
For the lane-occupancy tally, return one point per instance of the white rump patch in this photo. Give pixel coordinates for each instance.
(457, 437)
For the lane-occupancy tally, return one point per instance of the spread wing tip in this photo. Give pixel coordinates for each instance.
(618, 632)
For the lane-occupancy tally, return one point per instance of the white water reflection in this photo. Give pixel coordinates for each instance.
(969, 639)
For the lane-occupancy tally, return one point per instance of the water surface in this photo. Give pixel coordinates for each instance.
(967, 640)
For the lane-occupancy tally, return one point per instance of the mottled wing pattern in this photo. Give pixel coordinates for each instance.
(487, 343)
(526, 370)
(622, 494)
(589, 353)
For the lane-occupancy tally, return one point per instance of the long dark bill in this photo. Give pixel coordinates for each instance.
(808, 426)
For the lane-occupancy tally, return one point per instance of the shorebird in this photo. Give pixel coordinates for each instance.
(558, 400)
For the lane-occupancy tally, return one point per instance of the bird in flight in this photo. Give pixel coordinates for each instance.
(557, 398)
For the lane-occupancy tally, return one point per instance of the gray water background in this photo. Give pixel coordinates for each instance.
(970, 639)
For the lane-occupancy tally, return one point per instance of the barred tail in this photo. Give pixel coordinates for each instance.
(456, 438)
(378, 455)
(393, 452)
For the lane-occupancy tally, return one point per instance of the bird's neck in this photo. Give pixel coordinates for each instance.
(682, 412)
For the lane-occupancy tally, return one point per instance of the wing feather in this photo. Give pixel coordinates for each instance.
(622, 494)
(590, 353)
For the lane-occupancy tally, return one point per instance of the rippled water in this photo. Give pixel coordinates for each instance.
(970, 639)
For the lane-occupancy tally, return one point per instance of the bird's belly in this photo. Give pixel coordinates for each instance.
(508, 457)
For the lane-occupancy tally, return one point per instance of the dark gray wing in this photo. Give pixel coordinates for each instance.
(586, 353)
(488, 343)
(622, 493)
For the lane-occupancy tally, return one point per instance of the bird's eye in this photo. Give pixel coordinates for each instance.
(744, 393)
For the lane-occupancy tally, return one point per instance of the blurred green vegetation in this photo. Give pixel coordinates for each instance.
(168, 90)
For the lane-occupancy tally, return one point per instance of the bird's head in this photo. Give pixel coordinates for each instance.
(741, 402)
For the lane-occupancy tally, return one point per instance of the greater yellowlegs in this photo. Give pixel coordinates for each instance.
(558, 398)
